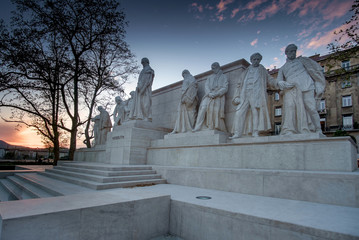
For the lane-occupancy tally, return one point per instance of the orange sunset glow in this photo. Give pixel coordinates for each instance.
(23, 137)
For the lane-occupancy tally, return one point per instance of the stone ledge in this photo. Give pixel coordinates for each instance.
(87, 216)
(338, 188)
(321, 154)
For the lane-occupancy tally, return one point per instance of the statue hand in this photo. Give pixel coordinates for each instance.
(236, 101)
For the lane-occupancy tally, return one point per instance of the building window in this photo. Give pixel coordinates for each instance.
(347, 122)
(347, 101)
(277, 128)
(322, 106)
(323, 69)
(346, 83)
(346, 64)
(276, 96)
(278, 111)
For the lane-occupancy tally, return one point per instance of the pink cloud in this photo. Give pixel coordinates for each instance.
(321, 40)
(254, 4)
(222, 5)
(234, 12)
(242, 19)
(220, 17)
(254, 42)
(197, 7)
(251, 15)
(267, 12)
(294, 5)
(311, 6)
(336, 9)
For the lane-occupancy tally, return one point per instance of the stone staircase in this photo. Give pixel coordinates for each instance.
(71, 177)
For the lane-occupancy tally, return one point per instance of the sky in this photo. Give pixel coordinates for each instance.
(192, 34)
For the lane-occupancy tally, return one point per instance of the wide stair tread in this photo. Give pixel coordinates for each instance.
(30, 188)
(54, 186)
(105, 173)
(15, 192)
(102, 179)
(105, 167)
(4, 194)
(100, 186)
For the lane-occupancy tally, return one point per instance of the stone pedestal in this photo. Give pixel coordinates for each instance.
(204, 137)
(127, 144)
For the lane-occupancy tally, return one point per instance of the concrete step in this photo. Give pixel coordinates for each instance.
(51, 185)
(105, 167)
(30, 188)
(100, 186)
(15, 192)
(105, 173)
(102, 179)
(5, 195)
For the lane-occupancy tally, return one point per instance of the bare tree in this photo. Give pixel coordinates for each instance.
(30, 78)
(90, 36)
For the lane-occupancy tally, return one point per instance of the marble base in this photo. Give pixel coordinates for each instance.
(126, 144)
(296, 152)
(204, 137)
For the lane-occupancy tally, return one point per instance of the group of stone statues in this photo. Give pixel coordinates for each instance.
(301, 79)
(138, 107)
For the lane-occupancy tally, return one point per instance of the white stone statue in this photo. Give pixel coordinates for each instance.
(303, 82)
(187, 112)
(143, 96)
(211, 110)
(251, 94)
(129, 106)
(103, 126)
(96, 130)
(119, 112)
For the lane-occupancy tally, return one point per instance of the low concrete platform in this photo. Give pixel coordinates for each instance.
(339, 188)
(110, 215)
(155, 211)
(239, 216)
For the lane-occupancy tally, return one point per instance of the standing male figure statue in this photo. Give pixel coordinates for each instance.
(104, 126)
(303, 82)
(251, 94)
(119, 112)
(130, 106)
(143, 95)
(187, 112)
(211, 109)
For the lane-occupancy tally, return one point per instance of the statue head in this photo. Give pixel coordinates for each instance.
(185, 73)
(145, 61)
(100, 108)
(118, 99)
(256, 58)
(132, 94)
(291, 51)
(215, 67)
